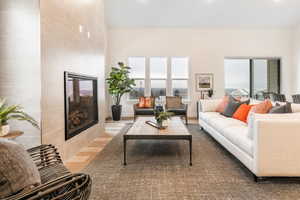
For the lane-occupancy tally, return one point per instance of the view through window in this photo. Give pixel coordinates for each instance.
(252, 77)
(159, 76)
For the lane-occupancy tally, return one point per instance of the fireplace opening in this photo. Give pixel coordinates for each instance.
(81, 107)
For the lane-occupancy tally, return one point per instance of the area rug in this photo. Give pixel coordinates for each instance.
(160, 171)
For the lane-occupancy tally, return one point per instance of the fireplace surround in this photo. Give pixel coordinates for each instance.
(81, 105)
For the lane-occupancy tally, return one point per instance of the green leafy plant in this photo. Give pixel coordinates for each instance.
(14, 112)
(162, 116)
(119, 82)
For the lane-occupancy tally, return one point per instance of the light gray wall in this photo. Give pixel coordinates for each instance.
(20, 73)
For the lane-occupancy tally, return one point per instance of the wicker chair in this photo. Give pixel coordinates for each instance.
(296, 98)
(57, 182)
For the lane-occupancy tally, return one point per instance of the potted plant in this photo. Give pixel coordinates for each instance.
(119, 84)
(162, 118)
(13, 112)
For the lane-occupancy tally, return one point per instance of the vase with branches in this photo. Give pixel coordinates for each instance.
(13, 112)
(119, 83)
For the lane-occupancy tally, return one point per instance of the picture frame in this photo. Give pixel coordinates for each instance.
(204, 82)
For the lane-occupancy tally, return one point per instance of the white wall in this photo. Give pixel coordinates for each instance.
(296, 51)
(20, 73)
(206, 49)
(65, 48)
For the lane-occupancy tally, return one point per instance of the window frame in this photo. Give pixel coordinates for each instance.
(251, 71)
(179, 79)
(138, 78)
(169, 80)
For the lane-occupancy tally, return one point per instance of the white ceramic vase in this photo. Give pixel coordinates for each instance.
(4, 130)
(165, 123)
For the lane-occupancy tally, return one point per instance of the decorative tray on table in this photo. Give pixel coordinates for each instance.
(155, 125)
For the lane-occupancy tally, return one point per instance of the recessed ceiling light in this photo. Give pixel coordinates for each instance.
(209, 1)
(143, 1)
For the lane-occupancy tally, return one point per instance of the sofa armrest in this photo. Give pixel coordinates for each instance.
(208, 105)
(276, 147)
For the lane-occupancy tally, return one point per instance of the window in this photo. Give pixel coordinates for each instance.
(137, 72)
(158, 76)
(252, 77)
(237, 75)
(180, 75)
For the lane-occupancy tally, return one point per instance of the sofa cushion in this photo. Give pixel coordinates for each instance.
(144, 111)
(17, 169)
(179, 111)
(220, 122)
(238, 136)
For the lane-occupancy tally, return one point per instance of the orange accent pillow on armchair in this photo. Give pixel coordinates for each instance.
(242, 112)
(148, 102)
(141, 102)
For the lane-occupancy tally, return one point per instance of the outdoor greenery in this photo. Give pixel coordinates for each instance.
(14, 112)
(119, 82)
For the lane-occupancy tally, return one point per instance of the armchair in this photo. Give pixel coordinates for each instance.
(175, 105)
(57, 181)
(144, 111)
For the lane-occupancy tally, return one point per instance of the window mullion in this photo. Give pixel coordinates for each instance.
(169, 77)
(147, 78)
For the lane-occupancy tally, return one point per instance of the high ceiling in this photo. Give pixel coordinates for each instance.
(203, 13)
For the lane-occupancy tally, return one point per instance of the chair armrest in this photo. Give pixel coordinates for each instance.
(184, 106)
(73, 186)
(276, 147)
(208, 105)
(45, 155)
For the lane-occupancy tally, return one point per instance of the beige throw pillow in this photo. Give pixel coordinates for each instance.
(17, 169)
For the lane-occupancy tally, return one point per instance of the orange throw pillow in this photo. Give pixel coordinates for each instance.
(261, 108)
(242, 112)
(222, 105)
(141, 102)
(148, 102)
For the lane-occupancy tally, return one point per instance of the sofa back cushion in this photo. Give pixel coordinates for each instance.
(242, 112)
(17, 169)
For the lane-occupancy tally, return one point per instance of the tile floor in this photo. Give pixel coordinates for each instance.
(87, 154)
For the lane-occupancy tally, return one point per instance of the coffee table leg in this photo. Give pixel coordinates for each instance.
(190, 151)
(124, 146)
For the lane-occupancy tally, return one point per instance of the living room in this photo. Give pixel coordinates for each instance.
(57, 61)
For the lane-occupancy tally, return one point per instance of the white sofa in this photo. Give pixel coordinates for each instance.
(269, 146)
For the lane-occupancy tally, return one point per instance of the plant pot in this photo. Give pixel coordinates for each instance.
(116, 112)
(4, 130)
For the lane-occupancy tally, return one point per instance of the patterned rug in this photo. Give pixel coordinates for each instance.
(159, 170)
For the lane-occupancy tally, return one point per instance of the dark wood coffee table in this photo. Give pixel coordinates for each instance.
(176, 130)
